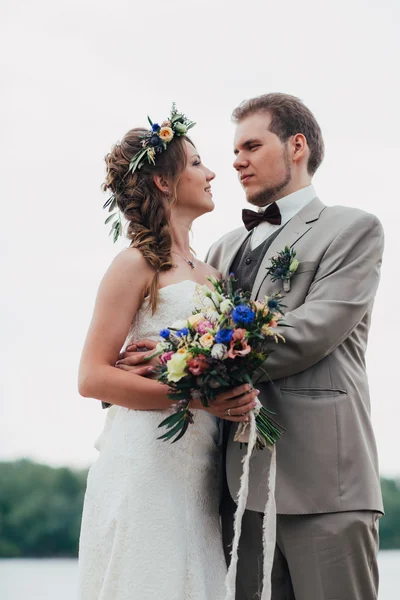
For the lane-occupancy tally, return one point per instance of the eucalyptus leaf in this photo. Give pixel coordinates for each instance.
(109, 218)
(108, 201)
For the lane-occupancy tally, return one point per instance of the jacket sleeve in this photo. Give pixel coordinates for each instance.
(342, 291)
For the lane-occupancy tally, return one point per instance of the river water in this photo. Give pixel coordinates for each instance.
(45, 579)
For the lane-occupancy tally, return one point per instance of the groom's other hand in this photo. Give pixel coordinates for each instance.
(234, 404)
(133, 359)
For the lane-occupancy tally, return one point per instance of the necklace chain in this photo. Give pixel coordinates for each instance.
(189, 262)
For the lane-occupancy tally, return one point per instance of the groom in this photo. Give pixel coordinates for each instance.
(327, 489)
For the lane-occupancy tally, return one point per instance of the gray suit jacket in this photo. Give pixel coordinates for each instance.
(327, 459)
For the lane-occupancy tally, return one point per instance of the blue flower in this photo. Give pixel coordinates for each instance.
(182, 332)
(165, 333)
(272, 303)
(154, 140)
(155, 127)
(243, 315)
(224, 336)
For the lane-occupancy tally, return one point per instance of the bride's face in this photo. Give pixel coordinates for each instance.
(194, 187)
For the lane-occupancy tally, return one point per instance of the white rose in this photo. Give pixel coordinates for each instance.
(218, 351)
(225, 306)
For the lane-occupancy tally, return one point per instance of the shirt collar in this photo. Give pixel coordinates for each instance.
(293, 203)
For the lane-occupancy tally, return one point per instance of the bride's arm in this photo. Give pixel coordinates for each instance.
(119, 297)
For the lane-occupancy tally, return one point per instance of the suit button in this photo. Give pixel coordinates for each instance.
(247, 261)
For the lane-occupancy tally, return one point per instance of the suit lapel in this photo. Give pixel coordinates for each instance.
(295, 229)
(230, 252)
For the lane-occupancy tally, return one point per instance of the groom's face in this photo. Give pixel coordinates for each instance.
(262, 160)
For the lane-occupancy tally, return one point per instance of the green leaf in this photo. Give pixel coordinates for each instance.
(182, 433)
(172, 431)
(134, 164)
(150, 121)
(108, 201)
(172, 419)
(109, 218)
(167, 421)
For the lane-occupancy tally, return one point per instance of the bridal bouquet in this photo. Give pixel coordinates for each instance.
(218, 347)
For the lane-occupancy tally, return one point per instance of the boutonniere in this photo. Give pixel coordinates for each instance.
(283, 266)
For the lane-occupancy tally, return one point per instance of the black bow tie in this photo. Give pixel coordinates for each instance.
(272, 215)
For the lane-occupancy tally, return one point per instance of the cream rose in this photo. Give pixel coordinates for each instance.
(166, 134)
(194, 320)
(206, 340)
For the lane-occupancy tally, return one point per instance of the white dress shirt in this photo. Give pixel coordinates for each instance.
(289, 206)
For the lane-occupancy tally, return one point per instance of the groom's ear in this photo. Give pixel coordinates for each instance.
(299, 147)
(162, 183)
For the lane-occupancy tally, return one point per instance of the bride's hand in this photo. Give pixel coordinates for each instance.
(133, 359)
(232, 405)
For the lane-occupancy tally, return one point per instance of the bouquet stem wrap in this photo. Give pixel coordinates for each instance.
(269, 527)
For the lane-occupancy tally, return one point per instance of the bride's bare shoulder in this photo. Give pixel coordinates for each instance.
(209, 271)
(129, 266)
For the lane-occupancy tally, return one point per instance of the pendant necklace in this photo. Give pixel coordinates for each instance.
(189, 262)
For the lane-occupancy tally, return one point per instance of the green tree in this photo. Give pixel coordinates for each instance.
(40, 509)
(389, 525)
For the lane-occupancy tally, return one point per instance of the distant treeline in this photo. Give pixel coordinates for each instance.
(41, 506)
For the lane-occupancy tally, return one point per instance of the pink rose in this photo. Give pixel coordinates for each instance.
(203, 326)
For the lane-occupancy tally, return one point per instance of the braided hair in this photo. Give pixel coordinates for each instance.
(142, 203)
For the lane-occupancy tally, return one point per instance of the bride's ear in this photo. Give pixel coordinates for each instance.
(162, 183)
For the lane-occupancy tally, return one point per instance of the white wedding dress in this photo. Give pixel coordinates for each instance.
(150, 525)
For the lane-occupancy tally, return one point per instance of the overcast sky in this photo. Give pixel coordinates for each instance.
(76, 75)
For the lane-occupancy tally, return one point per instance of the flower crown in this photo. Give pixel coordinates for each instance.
(155, 141)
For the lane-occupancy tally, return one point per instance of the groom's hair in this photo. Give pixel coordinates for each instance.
(289, 116)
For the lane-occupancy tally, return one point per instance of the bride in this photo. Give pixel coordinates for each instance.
(150, 525)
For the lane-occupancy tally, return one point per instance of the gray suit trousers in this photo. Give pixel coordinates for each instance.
(328, 556)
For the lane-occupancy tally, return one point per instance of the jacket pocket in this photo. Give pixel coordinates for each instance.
(314, 392)
(307, 265)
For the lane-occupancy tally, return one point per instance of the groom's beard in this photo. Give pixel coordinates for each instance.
(270, 194)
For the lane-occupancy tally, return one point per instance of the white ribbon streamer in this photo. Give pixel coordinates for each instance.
(269, 524)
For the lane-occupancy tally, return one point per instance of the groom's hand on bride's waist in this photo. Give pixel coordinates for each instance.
(133, 359)
(232, 405)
